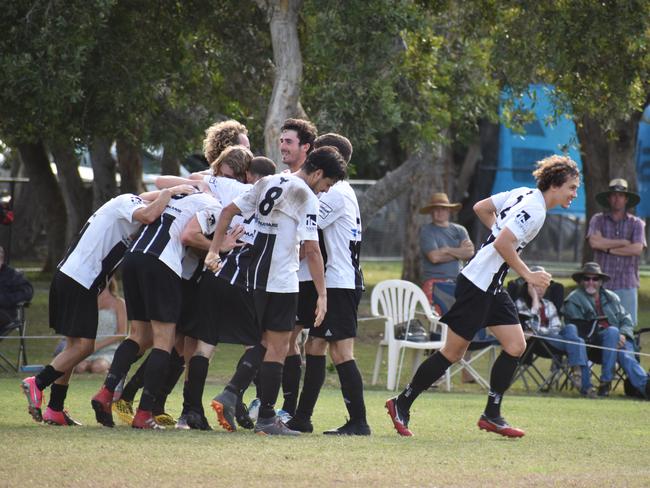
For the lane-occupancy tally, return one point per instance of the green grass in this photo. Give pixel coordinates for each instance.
(569, 442)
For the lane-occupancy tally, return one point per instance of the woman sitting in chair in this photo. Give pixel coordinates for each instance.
(543, 320)
(111, 326)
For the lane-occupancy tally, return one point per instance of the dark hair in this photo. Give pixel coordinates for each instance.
(306, 131)
(554, 171)
(341, 143)
(329, 160)
(262, 166)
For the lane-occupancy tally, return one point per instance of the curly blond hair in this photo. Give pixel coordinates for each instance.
(221, 135)
(238, 158)
(555, 170)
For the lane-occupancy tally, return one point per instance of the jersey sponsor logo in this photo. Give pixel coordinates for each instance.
(521, 218)
(136, 200)
(324, 210)
(310, 221)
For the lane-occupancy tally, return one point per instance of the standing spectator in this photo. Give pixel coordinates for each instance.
(590, 302)
(618, 239)
(14, 289)
(443, 247)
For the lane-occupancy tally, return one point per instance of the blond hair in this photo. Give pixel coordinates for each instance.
(238, 158)
(221, 135)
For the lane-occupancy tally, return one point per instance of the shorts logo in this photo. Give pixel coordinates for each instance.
(328, 333)
(310, 221)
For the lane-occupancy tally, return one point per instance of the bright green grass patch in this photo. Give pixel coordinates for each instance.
(569, 442)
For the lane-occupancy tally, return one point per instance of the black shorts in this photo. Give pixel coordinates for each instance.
(73, 308)
(189, 305)
(307, 298)
(275, 311)
(475, 309)
(227, 313)
(151, 289)
(340, 321)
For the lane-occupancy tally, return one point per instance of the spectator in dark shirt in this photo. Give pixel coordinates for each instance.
(14, 289)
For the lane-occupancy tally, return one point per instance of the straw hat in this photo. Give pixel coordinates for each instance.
(590, 268)
(618, 185)
(440, 200)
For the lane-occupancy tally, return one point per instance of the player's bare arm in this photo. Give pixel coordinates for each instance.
(316, 268)
(486, 212)
(212, 260)
(159, 200)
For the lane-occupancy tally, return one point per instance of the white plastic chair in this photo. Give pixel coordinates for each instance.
(398, 301)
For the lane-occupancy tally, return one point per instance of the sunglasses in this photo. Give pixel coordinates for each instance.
(591, 278)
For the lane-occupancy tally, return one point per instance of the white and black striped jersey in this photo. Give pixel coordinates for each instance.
(286, 212)
(100, 246)
(225, 189)
(339, 232)
(522, 211)
(162, 238)
(192, 263)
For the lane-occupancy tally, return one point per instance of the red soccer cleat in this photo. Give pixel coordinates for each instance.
(399, 417)
(34, 397)
(144, 419)
(101, 404)
(53, 417)
(499, 426)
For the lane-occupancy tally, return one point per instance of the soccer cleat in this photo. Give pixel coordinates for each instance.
(181, 423)
(284, 415)
(197, 421)
(399, 417)
(34, 398)
(242, 417)
(165, 420)
(351, 427)
(53, 417)
(498, 425)
(273, 426)
(101, 404)
(300, 425)
(124, 411)
(254, 409)
(144, 419)
(225, 405)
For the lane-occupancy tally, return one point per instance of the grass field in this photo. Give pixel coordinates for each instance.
(570, 441)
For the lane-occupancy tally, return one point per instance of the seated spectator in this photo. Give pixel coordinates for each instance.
(111, 325)
(14, 289)
(545, 321)
(605, 323)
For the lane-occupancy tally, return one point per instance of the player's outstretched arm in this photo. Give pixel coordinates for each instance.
(212, 260)
(159, 200)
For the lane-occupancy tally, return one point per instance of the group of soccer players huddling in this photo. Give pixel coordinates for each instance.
(236, 254)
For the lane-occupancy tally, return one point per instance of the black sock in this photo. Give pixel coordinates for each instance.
(124, 357)
(352, 389)
(176, 368)
(312, 384)
(135, 382)
(271, 379)
(154, 376)
(428, 372)
(46, 377)
(197, 372)
(186, 398)
(258, 385)
(500, 378)
(57, 396)
(291, 382)
(247, 369)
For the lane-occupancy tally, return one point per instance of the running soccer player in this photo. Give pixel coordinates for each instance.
(339, 225)
(88, 265)
(514, 217)
(286, 209)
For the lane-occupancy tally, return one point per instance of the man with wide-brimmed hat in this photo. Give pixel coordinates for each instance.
(618, 239)
(603, 321)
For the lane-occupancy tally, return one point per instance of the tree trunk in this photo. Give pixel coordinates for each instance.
(50, 200)
(77, 197)
(283, 21)
(603, 159)
(104, 166)
(427, 178)
(170, 164)
(128, 159)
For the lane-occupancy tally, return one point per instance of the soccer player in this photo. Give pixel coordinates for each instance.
(152, 288)
(339, 224)
(286, 209)
(514, 217)
(88, 265)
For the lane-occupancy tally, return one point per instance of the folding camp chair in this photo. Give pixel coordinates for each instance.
(18, 324)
